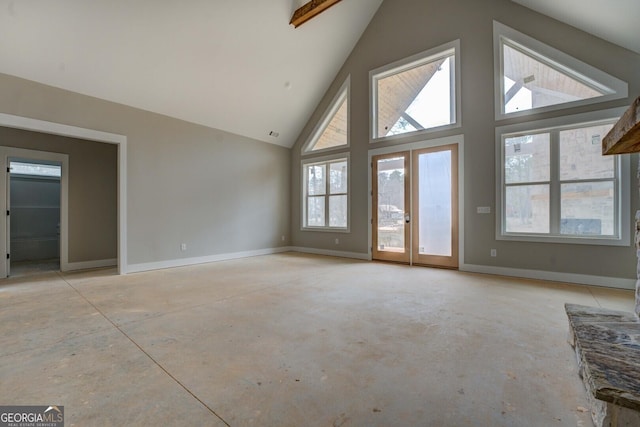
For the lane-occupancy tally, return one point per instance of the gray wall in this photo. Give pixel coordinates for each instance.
(402, 28)
(217, 192)
(93, 199)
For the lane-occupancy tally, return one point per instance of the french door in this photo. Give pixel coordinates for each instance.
(415, 207)
(391, 207)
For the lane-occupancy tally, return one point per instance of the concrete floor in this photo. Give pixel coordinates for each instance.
(295, 340)
(30, 268)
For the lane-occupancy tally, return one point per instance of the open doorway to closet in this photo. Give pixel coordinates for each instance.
(33, 201)
(93, 194)
(415, 206)
(34, 191)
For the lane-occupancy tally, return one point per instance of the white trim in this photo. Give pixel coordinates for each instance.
(183, 262)
(340, 254)
(418, 59)
(25, 123)
(582, 71)
(623, 196)
(344, 93)
(122, 207)
(612, 282)
(87, 265)
(552, 276)
(437, 142)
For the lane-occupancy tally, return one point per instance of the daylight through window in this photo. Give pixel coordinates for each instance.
(531, 76)
(556, 182)
(416, 95)
(333, 129)
(326, 194)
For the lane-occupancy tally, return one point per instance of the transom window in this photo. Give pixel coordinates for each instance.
(555, 183)
(332, 131)
(326, 194)
(533, 81)
(416, 94)
(35, 169)
(534, 76)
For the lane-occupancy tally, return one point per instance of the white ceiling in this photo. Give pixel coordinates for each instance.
(235, 65)
(612, 20)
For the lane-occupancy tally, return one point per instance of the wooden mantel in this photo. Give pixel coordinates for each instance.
(624, 137)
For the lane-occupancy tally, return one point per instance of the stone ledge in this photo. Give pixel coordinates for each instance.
(607, 345)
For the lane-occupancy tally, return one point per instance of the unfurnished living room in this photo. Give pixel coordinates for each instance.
(319, 213)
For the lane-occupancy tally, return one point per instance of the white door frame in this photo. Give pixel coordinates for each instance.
(7, 153)
(35, 125)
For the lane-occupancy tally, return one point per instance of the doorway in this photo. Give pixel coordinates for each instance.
(32, 233)
(35, 125)
(33, 229)
(415, 206)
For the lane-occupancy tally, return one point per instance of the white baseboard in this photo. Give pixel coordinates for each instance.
(603, 281)
(86, 265)
(341, 254)
(182, 262)
(584, 279)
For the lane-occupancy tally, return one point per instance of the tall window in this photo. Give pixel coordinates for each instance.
(555, 183)
(326, 194)
(532, 76)
(416, 94)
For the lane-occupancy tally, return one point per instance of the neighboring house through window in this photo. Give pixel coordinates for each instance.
(555, 184)
(532, 76)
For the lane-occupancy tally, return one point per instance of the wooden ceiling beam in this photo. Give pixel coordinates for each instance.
(624, 137)
(309, 10)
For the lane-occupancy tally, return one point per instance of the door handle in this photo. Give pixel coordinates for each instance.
(407, 219)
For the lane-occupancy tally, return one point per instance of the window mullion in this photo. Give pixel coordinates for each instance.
(327, 195)
(587, 180)
(554, 190)
(581, 207)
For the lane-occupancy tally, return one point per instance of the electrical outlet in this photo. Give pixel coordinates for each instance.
(337, 241)
(183, 247)
(494, 252)
(283, 237)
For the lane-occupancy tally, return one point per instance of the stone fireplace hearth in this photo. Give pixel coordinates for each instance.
(607, 343)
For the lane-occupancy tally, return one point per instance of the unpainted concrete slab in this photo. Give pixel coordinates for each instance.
(294, 340)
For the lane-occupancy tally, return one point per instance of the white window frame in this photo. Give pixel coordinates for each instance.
(411, 62)
(587, 74)
(344, 93)
(325, 160)
(622, 179)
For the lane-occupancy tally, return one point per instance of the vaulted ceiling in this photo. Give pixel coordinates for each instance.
(228, 64)
(233, 65)
(612, 20)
